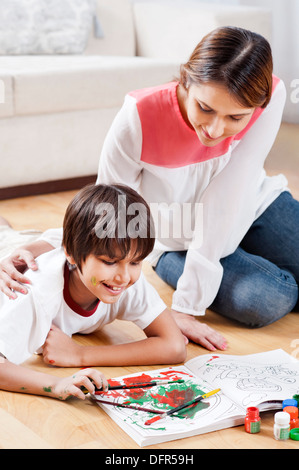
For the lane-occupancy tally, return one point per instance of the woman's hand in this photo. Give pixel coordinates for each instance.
(71, 386)
(13, 266)
(199, 333)
(11, 269)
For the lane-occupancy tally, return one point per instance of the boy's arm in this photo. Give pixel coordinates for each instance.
(164, 344)
(15, 378)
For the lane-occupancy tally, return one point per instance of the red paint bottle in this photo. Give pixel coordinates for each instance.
(293, 412)
(252, 420)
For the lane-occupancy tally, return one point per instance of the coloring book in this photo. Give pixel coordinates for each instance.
(263, 380)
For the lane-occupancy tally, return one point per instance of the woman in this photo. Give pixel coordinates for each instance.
(197, 146)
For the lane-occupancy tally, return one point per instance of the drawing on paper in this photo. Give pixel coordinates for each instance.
(256, 380)
(161, 397)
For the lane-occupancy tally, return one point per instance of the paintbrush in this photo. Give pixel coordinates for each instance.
(99, 391)
(124, 405)
(137, 385)
(181, 407)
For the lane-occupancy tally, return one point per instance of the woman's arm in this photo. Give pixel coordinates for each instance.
(120, 157)
(231, 203)
(15, 378)
(164, 344)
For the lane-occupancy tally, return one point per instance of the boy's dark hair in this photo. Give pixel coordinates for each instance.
(112, 220)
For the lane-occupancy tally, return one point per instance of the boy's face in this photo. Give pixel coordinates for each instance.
(107, 278)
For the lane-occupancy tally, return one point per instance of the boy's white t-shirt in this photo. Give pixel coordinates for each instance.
(26, 321)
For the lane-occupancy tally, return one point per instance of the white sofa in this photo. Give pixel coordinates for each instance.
(58, 108)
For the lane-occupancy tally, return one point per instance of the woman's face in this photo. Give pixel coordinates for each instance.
(212, 112)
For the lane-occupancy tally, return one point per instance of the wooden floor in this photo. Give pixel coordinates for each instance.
(32, 422)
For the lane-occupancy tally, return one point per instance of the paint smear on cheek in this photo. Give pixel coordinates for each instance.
(93, 281)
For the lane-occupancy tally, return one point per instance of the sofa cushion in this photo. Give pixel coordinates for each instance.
(45, 26)
(173, 29)
(117, 22)
(50, 84)
(6, 95)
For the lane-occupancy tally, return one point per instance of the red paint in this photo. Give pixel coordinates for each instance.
(136, 393)
(252, 420)
(175, 397)
(175, 374)
(139, 379)
(51, 362)
(293, 412)
(131, 380)
(152, 420)
(139, 393)
(212, 358)
(169, 374)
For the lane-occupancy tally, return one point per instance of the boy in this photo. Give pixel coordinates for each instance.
(90, 281)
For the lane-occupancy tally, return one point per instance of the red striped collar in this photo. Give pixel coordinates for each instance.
(70, 302)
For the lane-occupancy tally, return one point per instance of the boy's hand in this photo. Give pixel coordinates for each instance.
(199, 333)
(60, 350)
(71, 386)
(11, 268)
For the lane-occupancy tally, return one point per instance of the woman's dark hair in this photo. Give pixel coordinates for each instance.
(111, 220)
(236, 58)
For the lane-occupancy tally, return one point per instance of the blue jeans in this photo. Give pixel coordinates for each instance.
(261, 278)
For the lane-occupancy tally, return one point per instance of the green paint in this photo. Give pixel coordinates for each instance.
(23, 388)
(47, 389)
(165, 397)
(171, 396)
(93, 280)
